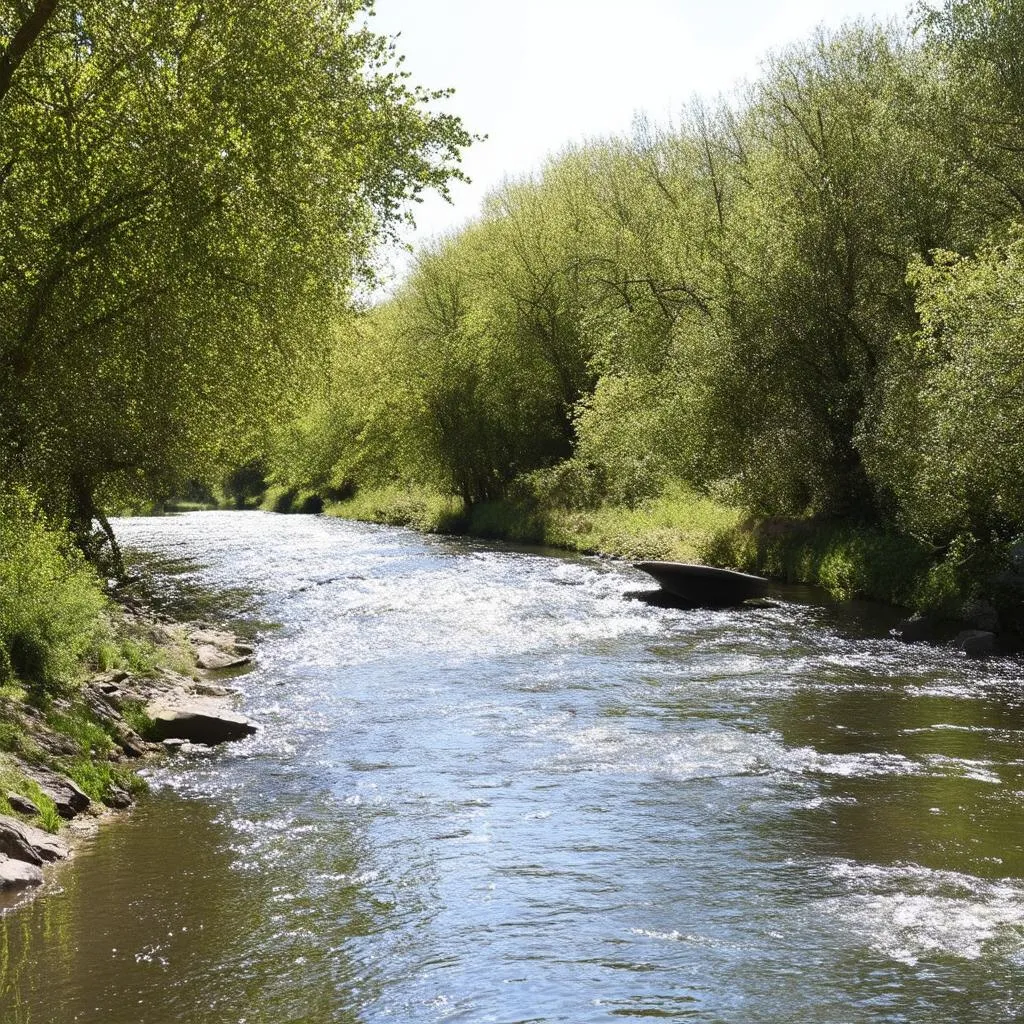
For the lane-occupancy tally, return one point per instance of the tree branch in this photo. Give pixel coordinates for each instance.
(23, 40)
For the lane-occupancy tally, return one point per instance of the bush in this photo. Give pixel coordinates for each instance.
(51, 602)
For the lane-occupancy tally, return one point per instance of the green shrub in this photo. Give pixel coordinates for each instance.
(97, 779)
(51, 602)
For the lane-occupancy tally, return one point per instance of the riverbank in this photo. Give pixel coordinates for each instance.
(981, 590)
(71, 761)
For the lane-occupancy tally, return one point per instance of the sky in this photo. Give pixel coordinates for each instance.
(536, 75)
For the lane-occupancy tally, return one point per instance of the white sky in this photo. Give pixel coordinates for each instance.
(534, 75)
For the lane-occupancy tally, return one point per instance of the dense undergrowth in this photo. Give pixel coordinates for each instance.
(56, 627)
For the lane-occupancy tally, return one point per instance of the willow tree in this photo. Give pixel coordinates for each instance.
(189, 190)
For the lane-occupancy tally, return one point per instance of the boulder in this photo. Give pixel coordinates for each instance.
(975, 642)
(14, 843)
(200, 725)
(21, 804)
(980, 615)
(212, 638)
(118, 798)
(48, 846)
(212, 690)
(27, 843)
(916, 627)
(70, 800)
(17, 874)
(131, 742)
(210, 657)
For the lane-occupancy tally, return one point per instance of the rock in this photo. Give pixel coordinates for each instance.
(980, 615)
(21, 804)
(212, 690)
(210, 657)
(70, 800)
(56, 744)
(102, 704)
(49, 847)
(213, 638)
(16, 874)
(102, 680)
(200, 725)
(976, 642)
(118, 798)
(131, 742)
(197, 749)
(172, 746)
(166, 632)
(14, 842)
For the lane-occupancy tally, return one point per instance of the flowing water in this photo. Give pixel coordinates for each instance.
(490, 786)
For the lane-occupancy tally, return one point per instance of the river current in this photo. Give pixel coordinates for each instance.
(492, 786)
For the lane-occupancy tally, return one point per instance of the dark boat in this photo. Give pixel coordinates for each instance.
(703, 585)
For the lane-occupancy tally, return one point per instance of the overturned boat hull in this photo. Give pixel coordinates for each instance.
(704, 585)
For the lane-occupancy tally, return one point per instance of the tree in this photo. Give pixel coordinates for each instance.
(191, 190)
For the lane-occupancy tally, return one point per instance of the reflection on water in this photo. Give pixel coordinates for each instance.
(492, 788)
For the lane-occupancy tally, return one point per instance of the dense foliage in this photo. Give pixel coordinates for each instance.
(805, 300)
(50, 599)
(188, 191)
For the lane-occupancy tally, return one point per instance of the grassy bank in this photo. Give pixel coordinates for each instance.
(848, 560)
(77, 667)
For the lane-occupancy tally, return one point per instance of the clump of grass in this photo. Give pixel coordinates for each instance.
(51, 601)
(77, 725)
(403, 505)
(134, 714)
(677, 525)
(98, 779)
(12, 781)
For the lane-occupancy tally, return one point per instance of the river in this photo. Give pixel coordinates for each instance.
(490, 786)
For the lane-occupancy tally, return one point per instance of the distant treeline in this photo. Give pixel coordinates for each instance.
(806, 300)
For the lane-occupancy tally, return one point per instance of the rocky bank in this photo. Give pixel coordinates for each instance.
(138, 717)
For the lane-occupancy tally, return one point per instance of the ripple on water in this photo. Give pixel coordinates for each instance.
(491, 787)
(912, 913)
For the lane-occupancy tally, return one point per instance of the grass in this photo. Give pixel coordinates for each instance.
(134, 714)
(678, 525)
(97, 779)
(12, 781)
(847, 560)
(400, 505)
(87, 734)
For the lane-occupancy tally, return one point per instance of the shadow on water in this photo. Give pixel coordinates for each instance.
(161, 919)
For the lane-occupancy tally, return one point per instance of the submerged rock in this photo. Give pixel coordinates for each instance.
(199, 724)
